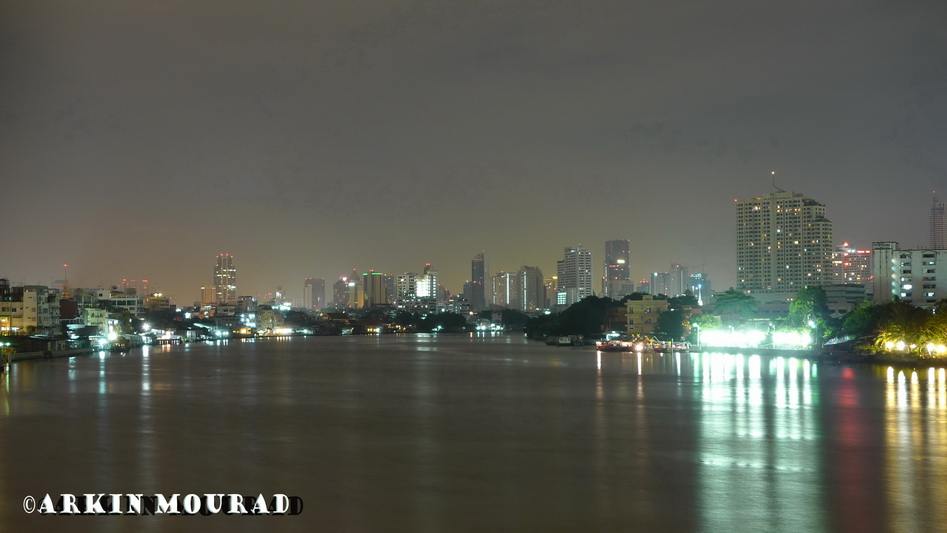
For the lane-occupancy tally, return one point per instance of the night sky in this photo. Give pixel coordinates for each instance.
(139, 138)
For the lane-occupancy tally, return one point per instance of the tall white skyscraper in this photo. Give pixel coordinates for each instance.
(574, 275)
(784, 243)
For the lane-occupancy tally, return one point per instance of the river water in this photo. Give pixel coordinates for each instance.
(457, 433)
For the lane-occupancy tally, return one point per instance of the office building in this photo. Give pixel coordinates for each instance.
(478, 277)
(225, 280)
(616, 275)
(506, 290)
(574, 273)
(784, 244)
(373, 289)
(678, 280)
(314, 293)
(532, 290)
(660, 283)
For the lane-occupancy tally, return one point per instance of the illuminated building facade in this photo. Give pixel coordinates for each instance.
(851, 265)
(784, 244)
(642, 315)
(506, 290)
(574, 273)
(225, 280)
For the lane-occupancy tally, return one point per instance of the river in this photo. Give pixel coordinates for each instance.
(468, 433)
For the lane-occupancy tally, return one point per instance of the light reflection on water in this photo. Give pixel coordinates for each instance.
(422, 433)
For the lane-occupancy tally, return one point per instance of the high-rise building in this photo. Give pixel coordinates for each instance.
(505, 290)
(532, 290)
(314, 293)
(478, 277)
(426, 286)
(344, 293)
(937, 241)
(660, 283)
(225, 280)
(678, 280)
(574, 272)
(406, 286)
(784, 244)
(616, 275)
(373, 289)
(851, 265)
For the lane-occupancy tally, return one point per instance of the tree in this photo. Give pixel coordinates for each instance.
(735, 307)
(810, 310)
(685, 300)
(670, 324)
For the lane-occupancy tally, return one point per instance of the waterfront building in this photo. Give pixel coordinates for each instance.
(506, 290)
(157, 301)
(225, 280)
(314, 294)
(574, 273)
(616, 275)
(532, 291)
(641, 315)
(917, 276)
(478, 277)
(784, 244)
(28, 310)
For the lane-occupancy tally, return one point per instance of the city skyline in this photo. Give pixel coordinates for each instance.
(263, 139)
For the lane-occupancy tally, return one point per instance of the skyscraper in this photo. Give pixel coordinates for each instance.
(678, 281)
(532, 290)
(478, 274)
(225, 280)
(574, 273)
(426, 287)
(784, 243)
(314, 293)
(340, 293)
(937, 225)
(616, 276)
(373, 289)
(660, 283)
(505, 290)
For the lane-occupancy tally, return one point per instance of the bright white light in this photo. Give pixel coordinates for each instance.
(791, 339)
(750, 338)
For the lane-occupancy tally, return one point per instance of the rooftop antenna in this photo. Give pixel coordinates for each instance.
(775, 187)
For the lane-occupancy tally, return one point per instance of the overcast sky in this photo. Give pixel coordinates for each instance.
(138, 138)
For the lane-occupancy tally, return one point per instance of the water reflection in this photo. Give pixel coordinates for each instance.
(424, 433)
